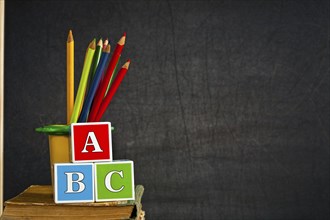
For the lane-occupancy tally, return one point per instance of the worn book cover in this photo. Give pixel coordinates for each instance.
(37, 202)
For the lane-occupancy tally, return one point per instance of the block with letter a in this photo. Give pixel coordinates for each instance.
(91, 142)
(73, 182)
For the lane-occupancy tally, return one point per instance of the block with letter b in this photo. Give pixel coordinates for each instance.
(73, 182)
(91, 142)
(114, 181)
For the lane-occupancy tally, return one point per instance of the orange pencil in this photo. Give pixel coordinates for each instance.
(69, 76)
(122, 72)
(104, 83)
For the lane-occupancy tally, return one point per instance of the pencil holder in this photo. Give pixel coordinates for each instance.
(59, 150)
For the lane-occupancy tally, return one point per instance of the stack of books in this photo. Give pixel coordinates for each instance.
(37, 202)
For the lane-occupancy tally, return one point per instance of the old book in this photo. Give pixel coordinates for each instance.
(36, 202)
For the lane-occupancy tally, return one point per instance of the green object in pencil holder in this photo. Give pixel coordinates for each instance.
(57, 129)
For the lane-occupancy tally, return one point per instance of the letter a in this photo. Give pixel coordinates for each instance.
(94, 143)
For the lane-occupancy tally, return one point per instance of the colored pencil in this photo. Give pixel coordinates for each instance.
(94, 84)
(83, 82)
(105, 43)
(122, 72)
(113, 76)
(69, 76)
(96, 57)
(95, 62)
(105, 82)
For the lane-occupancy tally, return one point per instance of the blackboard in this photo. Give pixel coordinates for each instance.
(224, 110)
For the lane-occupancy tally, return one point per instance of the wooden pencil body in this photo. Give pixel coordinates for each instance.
(70, 76)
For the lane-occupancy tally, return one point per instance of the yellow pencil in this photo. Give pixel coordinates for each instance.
(83, 82)
(69, 76)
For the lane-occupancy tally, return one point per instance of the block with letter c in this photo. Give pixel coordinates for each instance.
(114, 181)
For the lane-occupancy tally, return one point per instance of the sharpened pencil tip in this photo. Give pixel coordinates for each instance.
(107, 48)
(122, 39)
(92, 45)
(126, 65)
(100, 43)
(105, 43)
(70, 36)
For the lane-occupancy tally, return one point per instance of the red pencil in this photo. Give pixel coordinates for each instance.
(112, 90)
(104, 83)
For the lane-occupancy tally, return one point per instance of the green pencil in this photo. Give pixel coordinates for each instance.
(83, 82)
(95, 62)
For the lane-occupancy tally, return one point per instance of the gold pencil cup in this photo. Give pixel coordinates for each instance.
(59, 150)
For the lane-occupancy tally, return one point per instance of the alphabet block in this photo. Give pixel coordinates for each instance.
(91, 142)
(114, 181)
(73, 182)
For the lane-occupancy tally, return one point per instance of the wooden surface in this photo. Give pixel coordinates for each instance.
(224, 110)
(36, 202)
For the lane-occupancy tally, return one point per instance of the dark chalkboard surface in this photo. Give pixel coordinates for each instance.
(225, 108)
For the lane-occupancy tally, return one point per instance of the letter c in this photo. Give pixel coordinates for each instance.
(107, 181)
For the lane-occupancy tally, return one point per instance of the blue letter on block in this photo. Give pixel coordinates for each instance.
(73, 182)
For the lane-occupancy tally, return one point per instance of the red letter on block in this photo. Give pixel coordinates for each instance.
(91, 142)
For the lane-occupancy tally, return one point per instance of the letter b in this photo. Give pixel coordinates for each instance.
(70, 182)
(73, 182)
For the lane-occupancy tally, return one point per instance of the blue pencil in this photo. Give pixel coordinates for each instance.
(95, 84)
